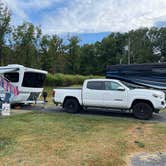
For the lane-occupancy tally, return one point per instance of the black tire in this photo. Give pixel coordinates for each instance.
(71, 106)
(143, 111)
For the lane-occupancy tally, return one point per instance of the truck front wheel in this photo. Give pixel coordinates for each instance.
(71, 106)
(142, 110)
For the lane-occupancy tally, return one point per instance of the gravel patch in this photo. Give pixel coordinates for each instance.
(147, 159)
(161, 117)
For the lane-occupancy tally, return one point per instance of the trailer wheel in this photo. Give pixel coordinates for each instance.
(71, 106)
(142, 110)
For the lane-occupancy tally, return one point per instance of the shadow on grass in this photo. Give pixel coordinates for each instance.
(105, 112)
(161, 117)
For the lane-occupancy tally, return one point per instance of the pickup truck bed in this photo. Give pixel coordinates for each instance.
(60, 94)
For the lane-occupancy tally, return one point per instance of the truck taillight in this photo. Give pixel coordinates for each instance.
(53, 93)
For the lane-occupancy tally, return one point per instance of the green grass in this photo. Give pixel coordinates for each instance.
(164, 110)
(38, 138)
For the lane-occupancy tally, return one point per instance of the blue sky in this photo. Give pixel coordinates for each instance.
(91, 20)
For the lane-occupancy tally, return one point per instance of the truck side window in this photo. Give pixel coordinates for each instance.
(95, 85)
(110, 85)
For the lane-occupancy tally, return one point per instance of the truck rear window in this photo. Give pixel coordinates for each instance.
(95, 85)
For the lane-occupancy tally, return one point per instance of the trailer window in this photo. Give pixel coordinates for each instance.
(131, 85)
(33, 80)
(95, 85)
(13, 77)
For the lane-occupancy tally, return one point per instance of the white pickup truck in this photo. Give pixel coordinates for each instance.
(111, 94)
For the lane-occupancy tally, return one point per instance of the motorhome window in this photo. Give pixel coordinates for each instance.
(95, 85)
(159, 70)
(13, 77)
(33, 80)
(131, 86)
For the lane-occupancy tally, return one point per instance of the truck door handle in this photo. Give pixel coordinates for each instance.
(118, 99)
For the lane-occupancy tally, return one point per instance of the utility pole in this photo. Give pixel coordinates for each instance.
(129, 59)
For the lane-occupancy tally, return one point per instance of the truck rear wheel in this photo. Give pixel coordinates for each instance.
(71, 106)
(142, 111)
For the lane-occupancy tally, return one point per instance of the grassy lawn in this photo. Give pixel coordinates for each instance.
(66, 139)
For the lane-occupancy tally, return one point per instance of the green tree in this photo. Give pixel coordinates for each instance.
(52, 54)
(25, 42)
(141, 48)
(73, 55)
(110, 50)
(4, 28)
(161, 44)
(88, 60)
(26, 45)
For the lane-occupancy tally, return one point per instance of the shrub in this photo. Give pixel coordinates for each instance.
(66, 79)
(139, 144)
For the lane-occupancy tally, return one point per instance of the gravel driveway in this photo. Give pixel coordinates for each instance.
(146, 159)
(161, 117)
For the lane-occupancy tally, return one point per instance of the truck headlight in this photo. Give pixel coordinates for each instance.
(157, 96)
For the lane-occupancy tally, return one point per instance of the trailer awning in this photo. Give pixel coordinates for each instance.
(3, 70)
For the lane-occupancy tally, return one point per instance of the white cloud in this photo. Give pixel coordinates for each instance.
(80, 16)
(19, 6)
(38, 4)
(106, 15)
(15, 8)
(20, 9)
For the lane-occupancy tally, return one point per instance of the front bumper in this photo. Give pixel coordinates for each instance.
(159, 104)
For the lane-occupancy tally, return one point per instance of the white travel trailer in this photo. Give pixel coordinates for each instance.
(28, 80)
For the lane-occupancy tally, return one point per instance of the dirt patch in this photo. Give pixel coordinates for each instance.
(137, 135)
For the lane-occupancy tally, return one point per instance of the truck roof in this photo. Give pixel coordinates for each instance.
(102, 79)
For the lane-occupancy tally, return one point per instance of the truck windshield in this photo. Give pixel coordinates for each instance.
(33, 80)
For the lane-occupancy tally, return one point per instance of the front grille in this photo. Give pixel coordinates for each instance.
(33, 96)
(165, 93)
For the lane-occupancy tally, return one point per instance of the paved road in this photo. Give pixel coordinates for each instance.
(161, 117)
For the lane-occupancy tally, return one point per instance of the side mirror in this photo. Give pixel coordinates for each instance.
(120, 88)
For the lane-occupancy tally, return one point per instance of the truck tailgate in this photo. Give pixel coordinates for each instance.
(61, 93)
